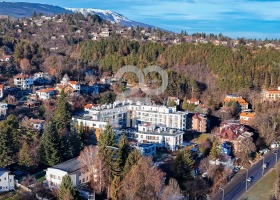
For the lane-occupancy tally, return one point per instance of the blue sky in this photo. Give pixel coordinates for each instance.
(235, 18)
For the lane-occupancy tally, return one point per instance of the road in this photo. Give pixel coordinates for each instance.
(237, 186)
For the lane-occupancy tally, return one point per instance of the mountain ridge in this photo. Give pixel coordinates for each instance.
(24, 9)
(111, 16)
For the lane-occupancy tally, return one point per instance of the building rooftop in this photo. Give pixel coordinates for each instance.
(69, 166)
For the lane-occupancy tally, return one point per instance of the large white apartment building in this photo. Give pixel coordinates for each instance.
(159, 135)
(129, 114)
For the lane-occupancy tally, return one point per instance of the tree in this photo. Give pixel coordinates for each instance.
(95, 164)
(215, 150)
(123, 152)
(50, 150)
(25, 66)
(131, 160)
(106, 138)
(24, 156)
(73, 144)
(171, 103)
(185, 104)
(9, 133)
(183, 168)
(66, 190)
(172, 191)
(143, 181)
(62, 115)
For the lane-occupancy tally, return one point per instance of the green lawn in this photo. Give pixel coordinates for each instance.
(263, 189)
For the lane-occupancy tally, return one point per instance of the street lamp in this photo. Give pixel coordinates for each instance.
(263, 166)
(246, 178)
(223, 192)
(276, 154)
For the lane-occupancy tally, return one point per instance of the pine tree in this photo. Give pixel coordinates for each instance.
(62, 115)
(215, 150)
(9, 131)
(106, 138)
(6, 148)
(123, 152)
(74, 144)
(50, 150)
(185, 104)
(132, 159)
(183, 168)
(115, 187)
(24, 156)
(66, 190)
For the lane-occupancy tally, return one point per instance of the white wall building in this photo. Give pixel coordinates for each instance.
(7, 181)
(23, 81)
(161, 136)
(129, 114)
(3, 110)
(46, 94)
(71, 168)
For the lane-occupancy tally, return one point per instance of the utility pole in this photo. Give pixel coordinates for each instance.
(223, 192)
(246, 179)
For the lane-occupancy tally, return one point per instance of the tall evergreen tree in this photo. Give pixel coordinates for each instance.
(50, 150)
(185, 104)
(123, 152)
(132, 159)
(66, 190)
(24, 156)
(215, 150)
(72, 144)
(62, 115)
(183, 167)
(106, 138)
(9, 131)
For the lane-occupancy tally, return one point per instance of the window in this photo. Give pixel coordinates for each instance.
(51, 176)
(59, 178)
(10, 180)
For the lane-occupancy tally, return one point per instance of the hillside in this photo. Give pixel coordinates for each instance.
(108, 15)
(22, 9)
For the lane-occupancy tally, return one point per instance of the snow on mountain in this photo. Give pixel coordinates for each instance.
(111, 16)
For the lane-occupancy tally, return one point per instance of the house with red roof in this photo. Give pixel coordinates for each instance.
(23, 81)
(46, 93)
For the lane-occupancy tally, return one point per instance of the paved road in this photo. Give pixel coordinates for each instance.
(237, 187)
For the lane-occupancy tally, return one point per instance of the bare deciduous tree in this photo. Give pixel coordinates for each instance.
(143, 181)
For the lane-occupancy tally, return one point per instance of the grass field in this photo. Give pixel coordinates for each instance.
(263, 189)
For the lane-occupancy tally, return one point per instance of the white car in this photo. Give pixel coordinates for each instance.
(265, 165)
(249, 179)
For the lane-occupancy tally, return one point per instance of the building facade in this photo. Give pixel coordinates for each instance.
(7, 180)
(23, 81)
(71, 168)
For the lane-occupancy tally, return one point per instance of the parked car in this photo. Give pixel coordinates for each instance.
(236, 169)
(250, 179)
(264, 151)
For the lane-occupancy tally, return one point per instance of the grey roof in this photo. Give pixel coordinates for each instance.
(69, 165)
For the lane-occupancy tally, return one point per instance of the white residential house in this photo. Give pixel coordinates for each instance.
(1, 91)
(72, 168)
(46, 94)
(3, 110)
(7, 180)
(37, 124)
(23, 81)
(6, 58)
(161, 136)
